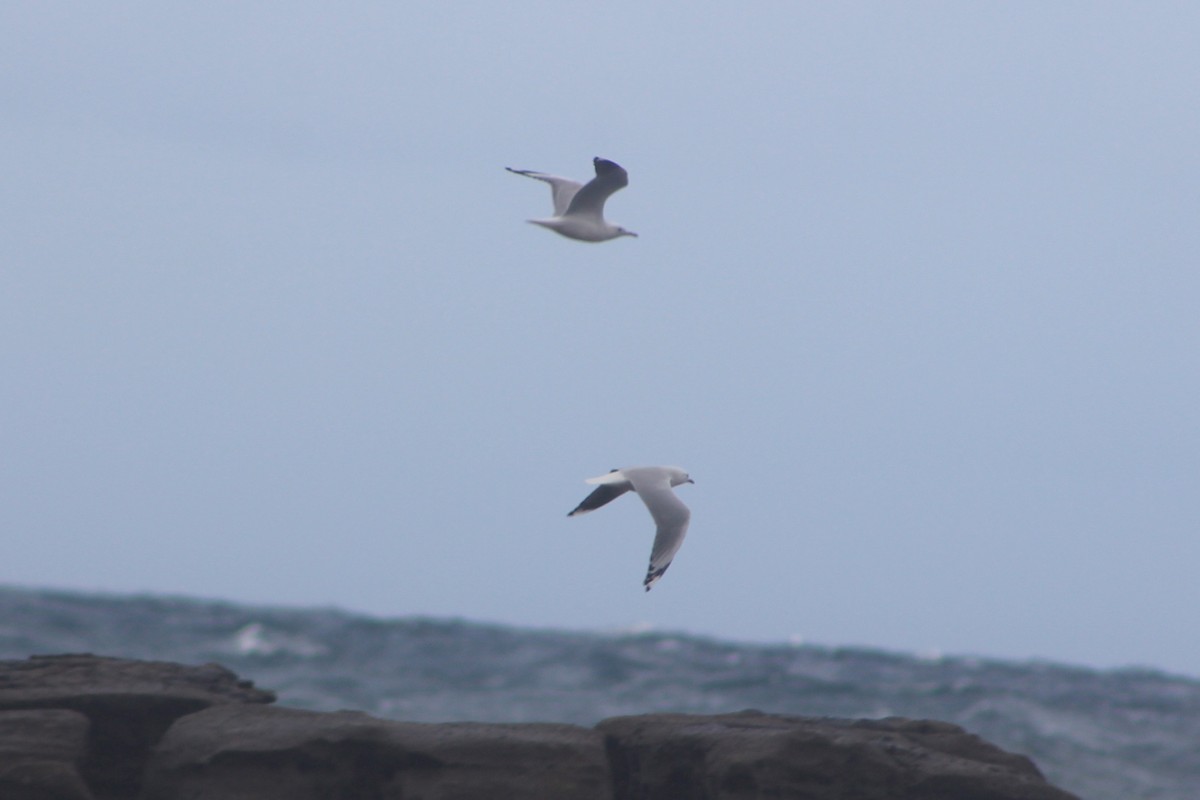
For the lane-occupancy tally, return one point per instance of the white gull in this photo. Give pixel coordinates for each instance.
(579, 208)
(654, 485)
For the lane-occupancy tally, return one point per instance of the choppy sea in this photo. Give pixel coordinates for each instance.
(1105, 735)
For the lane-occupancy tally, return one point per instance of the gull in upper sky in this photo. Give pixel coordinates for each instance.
(579, 208)
(655, 486)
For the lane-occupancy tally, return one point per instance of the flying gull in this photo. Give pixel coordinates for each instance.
(654, 485)
(579, 208)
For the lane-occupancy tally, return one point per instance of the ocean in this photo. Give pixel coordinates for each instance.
(1123, 734)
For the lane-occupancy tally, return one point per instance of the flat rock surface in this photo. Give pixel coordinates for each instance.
(261, 752)
(755, 755)
(69, 681)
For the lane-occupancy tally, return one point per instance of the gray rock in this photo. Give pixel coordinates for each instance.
(130, 704)
(67, 681)
(40, 754)
(90, 728)
(264, 753)
(754, 755)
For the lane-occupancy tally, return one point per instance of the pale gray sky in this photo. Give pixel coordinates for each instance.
(915, 302)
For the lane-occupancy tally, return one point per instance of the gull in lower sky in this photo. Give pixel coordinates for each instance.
(579, 208)
(655, 486)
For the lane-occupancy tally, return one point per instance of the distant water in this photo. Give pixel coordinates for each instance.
(1105, 735)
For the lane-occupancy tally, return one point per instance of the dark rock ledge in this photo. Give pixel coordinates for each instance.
(83, 727)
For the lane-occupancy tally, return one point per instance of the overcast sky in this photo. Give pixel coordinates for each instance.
(916, 301)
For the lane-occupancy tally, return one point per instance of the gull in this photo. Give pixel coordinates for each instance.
(653, 485)
(579, 208)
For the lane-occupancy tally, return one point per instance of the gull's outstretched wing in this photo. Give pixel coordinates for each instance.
(670, 515)
(561, 189)
(589, 201)
(604, 494)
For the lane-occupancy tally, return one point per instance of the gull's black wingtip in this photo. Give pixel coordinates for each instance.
(604, 165)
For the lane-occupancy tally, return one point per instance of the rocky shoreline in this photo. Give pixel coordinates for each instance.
(85, 727)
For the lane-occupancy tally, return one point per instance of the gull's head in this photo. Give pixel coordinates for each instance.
(679, 476)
